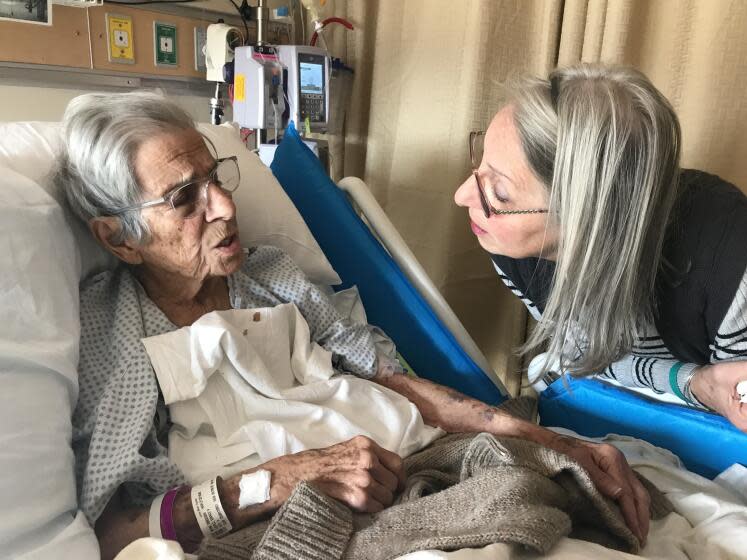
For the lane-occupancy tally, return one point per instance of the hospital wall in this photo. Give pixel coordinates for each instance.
(33, 103)
(43, 67)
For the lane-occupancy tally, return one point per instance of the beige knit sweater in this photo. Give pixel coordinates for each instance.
(462, 491)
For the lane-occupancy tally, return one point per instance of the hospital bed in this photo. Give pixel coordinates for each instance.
(706, 443)
(45, 254)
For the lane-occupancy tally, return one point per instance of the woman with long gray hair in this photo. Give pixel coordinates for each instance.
(633, 267)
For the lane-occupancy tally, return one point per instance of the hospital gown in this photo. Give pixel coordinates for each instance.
(119, 425)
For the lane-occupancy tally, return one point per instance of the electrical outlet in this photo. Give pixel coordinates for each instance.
(120, 40)
(164, 44)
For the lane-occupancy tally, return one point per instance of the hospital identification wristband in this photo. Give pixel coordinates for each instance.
(209, 511)
(154, 518)
(160, 516)
(168, 530)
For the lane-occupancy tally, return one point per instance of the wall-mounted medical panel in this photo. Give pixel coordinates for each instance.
(82, 39)
(164, 44)
(120, 40)
(66, 42)
(174, 55)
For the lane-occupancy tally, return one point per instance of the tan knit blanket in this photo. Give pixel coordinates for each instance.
(462, 491)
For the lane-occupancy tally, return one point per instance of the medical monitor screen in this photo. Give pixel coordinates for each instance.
(312, 77)
(312, 88)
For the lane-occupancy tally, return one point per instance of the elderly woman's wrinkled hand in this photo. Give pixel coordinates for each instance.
(357, 472)
(613, 477)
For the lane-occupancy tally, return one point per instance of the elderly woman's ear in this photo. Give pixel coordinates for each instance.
(106, 230)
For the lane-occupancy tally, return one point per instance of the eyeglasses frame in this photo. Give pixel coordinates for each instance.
(169, 196)
(487, 208)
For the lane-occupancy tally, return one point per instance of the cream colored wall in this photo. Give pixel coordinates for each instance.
(33, 103)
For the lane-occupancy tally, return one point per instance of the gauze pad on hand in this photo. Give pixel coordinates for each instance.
(254, 488)
(742, 391)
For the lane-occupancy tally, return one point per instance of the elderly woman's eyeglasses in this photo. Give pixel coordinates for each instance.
(191, 199)
(488, 197)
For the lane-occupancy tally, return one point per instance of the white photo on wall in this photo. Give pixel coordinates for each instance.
(27, 11)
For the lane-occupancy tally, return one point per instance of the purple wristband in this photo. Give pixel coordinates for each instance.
(167, 520)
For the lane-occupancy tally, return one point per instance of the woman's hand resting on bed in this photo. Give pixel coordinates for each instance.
(357, 472)
(454, 412)
(613, 477)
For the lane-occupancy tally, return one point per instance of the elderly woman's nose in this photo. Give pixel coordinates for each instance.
(220, 204)
(466, 194)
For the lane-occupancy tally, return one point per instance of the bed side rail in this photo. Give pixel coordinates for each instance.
(392, 241)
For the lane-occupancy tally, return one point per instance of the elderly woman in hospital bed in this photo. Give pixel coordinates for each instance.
(155, 194)
(635, 269)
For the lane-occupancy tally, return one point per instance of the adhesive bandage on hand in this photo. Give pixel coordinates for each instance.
(742, 391)
(254, 488)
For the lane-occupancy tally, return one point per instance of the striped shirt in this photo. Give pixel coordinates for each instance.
(649, 364)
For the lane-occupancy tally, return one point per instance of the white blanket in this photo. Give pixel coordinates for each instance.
(246, 386)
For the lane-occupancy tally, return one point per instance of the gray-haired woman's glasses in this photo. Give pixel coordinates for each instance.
(488, 198)
(191, 199)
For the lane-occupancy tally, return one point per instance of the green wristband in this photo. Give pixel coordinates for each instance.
(673, 371)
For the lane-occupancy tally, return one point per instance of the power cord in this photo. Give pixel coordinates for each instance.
(244, 12)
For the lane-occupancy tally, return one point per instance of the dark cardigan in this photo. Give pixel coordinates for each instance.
(705, 252)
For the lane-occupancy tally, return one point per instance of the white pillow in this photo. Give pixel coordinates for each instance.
(266, 216)
(38, 369)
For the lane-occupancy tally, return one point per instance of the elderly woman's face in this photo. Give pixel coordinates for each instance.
(504, 169)
(202, 246)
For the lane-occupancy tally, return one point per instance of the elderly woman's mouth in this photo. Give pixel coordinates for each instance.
(229, 244)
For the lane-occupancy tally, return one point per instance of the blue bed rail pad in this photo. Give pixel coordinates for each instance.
(706, 443)
(391, 302)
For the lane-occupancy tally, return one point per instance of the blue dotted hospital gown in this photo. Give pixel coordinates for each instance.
(119, 425)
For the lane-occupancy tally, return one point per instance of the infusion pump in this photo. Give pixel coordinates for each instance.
(276, 84)
(307, 71)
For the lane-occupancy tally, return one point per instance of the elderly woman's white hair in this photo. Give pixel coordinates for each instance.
(103, 131)
(606, 144)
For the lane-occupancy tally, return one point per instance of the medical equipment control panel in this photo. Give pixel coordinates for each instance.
(312, 87)
(274, 84)
(306, 85)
